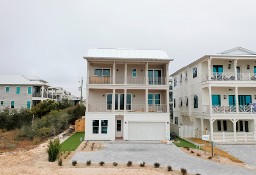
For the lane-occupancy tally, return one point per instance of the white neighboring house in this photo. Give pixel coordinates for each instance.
(58, 94)
(127, 95)
(216, 95)
(18, 91)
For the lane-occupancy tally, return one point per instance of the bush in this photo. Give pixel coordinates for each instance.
(210, 157)
(75, 112)
(88, 163)
(53, 150)
(169, 168)
(187, 148)
(101, 163)
(183, 171)
(60, 162)
(198, 154)
(192, 151)
(74, 162)
(142, 164)
(156, 165)
(129, 163)
(115, 164)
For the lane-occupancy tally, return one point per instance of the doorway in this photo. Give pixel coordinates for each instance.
(119, 127)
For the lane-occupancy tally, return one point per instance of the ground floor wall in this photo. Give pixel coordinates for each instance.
(134, 126)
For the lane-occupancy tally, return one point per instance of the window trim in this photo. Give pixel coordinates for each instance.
(6, 89)
(100, 126)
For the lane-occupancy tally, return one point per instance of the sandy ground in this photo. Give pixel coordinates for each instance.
(35, 162)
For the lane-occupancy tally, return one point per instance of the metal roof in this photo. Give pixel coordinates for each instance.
(21, 80)
(127, 54)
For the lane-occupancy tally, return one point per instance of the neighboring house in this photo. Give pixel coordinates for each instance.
(58, 94)
(171, 99)
(127, 95)
(18, 91)
(216, 95)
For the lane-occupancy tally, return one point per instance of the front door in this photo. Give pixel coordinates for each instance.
(119, 127)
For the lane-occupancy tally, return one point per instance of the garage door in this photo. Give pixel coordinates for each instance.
(146, 131)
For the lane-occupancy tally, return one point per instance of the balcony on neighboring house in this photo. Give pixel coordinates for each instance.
(39, 91)
(229, 76)
(246, 109)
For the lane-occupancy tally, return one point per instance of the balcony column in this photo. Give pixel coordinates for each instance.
(235, 65)
(236, 96)
(113, 100)
(210, 99)
(42, 92)
(88, 73)
(52, 94)
(114, 73)
(202, 126)
(209, 69)
(234, 128)
(167, 74)
(87, 100)
(146, 73)
(167, 102)
(125, 99)
(125, 73)
(146, 97)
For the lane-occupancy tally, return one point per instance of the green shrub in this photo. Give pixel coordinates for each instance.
(115, 164)
(101, 163)
(183, 171)
(142, 164)
(88, 163)
(129, 163)
(156, 165)
(169, 168)
(74, 162)
(53, 150)
(60, 162)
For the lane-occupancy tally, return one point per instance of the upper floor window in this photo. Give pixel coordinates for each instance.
(2, 103)
(217, 69)
(154, 99)
(180, 77)
(186, 99)
(102, 72)
(195, 101)
(254, 69)
(29, 90)
(17, 90)
(180, 102)
(175, 82)
(134, 72)
(186, 75)
(7, 89)
(174, 103)
(194, 72)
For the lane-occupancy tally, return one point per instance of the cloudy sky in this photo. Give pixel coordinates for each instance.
(48, 38)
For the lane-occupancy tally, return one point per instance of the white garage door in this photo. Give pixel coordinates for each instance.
(146, 131)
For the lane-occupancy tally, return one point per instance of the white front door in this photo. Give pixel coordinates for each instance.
(119, 127)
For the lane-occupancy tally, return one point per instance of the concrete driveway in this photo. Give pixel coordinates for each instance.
(246, 153)
(122, 152)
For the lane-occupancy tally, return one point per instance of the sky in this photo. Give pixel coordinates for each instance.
(48, 38)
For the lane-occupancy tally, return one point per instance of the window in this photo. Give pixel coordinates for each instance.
(254, 70)
(17, 90)
(2, 103)
(225, 125)
(102, 72)
(216, 100)
(175, 82)
(174, 103)
(28, 104)
(95, 126)
(104, 126)
(195, 101)
(194, 72)
(29, 90)
(12, 104)
(101, 125)
(176, 120)
(217, 68)
(186, 101)
(109, 101)
(7, 89)
(154, 77)
(219, 125)
(186, 75)
(154, 99)
(134, 72)
(119, 125)
(180, 102)
(231, 100)
(244, 100)
(181, 78)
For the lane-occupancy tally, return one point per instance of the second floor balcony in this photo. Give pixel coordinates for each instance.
(247, 109)
(229, 76)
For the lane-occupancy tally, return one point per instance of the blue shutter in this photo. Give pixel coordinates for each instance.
(29, 90)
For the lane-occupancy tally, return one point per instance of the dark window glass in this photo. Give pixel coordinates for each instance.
(95, 126)
(225, 125)
(119, 125)
(194, 72)
(195, 101)
(104, 126)
(219, 125)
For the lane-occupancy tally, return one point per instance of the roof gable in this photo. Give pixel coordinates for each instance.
(238, 51)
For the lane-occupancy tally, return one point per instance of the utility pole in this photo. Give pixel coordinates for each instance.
(81, 89)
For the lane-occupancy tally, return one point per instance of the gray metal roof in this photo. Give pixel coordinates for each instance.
(21, 80)
(127, 54)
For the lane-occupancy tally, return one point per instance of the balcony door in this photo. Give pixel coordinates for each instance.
(217, 71)
(238, 72)
(119, 102)
(244, 100)
(154, 76)
(216, 101)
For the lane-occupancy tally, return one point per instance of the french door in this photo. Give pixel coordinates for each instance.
(119, 102)
(154, 76)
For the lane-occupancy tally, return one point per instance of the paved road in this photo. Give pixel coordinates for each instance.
(162, 153)
(246, 153)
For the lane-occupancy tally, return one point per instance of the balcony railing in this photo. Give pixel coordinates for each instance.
(136, 80)
(100, 80)
(39, 95)
(156, 80)
(229, 76)
(229, 109)
(129, 108)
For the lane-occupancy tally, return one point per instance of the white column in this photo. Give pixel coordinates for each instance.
(202, 125)
(113, 100)
(125, 99)
(87, 99)
(146, 73)
(236, 96)
(209, 69)
(42, 92)
(114, 73)
(167, 74)
(235, 65)
(167, 102)
(146, 101)
(210, 99)
(88, 73)
(234, 128)
(125, 73)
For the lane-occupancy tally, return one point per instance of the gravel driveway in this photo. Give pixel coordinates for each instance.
(157, 152)
(246, 153)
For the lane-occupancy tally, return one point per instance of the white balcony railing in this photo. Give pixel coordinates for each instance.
(157, 80)
(229, 109)
(229, 76)
(129, 108)
(136, 80)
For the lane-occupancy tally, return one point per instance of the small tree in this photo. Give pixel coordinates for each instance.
(53, 150)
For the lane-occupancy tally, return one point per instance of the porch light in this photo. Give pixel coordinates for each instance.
(103, 95)
(248, 66)
(225, 96)
(133, 95)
